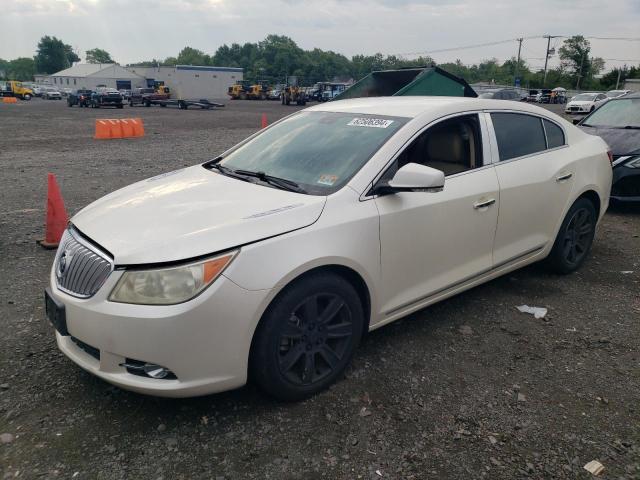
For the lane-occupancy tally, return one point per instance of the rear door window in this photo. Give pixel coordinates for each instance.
(518, 134)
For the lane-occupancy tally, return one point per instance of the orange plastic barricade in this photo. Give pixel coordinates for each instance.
(119, 128)
(9, 100)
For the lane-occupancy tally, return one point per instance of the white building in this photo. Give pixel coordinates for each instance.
(93, 75)
(192, 81)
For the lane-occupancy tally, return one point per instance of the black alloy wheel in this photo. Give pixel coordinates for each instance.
(574, 238)
(314, 339)
(578, 236)
(307, 337)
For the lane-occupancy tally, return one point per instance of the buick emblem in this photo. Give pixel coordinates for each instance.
(62, 263)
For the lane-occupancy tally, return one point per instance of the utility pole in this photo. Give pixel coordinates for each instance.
(618, 80)
(515, 75)
(580, 72)
(546, 57)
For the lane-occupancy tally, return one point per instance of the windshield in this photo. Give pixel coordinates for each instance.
(487, 95)
(584, 97)
(320, 151)
(616, 114)
(614, 93)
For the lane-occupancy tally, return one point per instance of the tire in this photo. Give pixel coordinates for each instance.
(574, 238)
(147, 103)
(26, 97)
(316, 323)
(130, 103)
(592, 109)
(120, 105)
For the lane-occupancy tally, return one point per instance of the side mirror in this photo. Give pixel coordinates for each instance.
(414, 177)
(576, 121)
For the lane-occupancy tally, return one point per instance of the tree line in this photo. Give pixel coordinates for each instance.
(277, 57)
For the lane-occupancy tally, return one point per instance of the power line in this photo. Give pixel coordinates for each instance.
(466, 47)
(509, 40)
(626, 39)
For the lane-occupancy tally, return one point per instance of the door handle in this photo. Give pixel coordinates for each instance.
(487, 203)
(564, 177)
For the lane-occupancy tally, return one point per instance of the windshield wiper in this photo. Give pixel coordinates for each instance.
(278, 182)
(631, 127)
(229, 172)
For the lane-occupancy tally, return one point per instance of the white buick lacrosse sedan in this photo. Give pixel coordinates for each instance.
(274, 259)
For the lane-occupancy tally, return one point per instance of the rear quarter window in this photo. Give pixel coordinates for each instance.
(555, 135)
(518, 134)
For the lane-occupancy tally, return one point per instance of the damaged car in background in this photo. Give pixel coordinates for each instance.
(271, 261)
(618, 123)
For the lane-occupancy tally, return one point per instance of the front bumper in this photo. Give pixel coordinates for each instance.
(580, 109)
(205, 342)
(625, 186)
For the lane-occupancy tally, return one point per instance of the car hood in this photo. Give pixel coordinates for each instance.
(189, 213)
(621, 141)
(580, 103)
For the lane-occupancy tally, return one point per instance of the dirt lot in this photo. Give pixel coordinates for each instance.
(468, 388)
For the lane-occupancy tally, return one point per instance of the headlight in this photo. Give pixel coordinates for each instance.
(168, 286)
(634, 162)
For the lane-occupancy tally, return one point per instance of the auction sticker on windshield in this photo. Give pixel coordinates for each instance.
(370, 122)
(327, 179)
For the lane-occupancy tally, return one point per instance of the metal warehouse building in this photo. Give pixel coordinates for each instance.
(192, 81)
(92, 75)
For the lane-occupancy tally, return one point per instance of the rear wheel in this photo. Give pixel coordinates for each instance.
(307, 337)
(574, 239)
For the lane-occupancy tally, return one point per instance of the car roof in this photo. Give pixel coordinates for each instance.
(630, 95)
(416, 106)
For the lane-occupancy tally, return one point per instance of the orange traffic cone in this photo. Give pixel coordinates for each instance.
(57, 217)
(263, 123)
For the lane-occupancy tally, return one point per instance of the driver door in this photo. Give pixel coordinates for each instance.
(431, 242)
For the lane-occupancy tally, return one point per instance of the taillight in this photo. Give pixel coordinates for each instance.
(610, 155)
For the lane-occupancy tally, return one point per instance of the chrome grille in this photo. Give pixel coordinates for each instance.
(80, 268)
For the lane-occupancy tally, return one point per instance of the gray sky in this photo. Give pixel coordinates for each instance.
(134, 30)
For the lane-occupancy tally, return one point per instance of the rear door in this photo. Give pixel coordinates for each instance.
(535, 172)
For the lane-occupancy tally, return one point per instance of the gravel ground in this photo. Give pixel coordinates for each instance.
(468, 388)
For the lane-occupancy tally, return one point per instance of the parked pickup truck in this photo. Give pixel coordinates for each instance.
(148, 96)
(81, 97)
(106, 97)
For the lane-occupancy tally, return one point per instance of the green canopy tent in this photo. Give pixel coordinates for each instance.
(429, 81)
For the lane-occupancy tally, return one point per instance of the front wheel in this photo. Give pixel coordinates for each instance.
(574, 239)
(307, 337)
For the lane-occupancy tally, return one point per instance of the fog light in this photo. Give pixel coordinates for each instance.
(155, 371)
(151, 370)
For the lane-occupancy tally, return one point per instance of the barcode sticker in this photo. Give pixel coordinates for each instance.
(370, 122)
